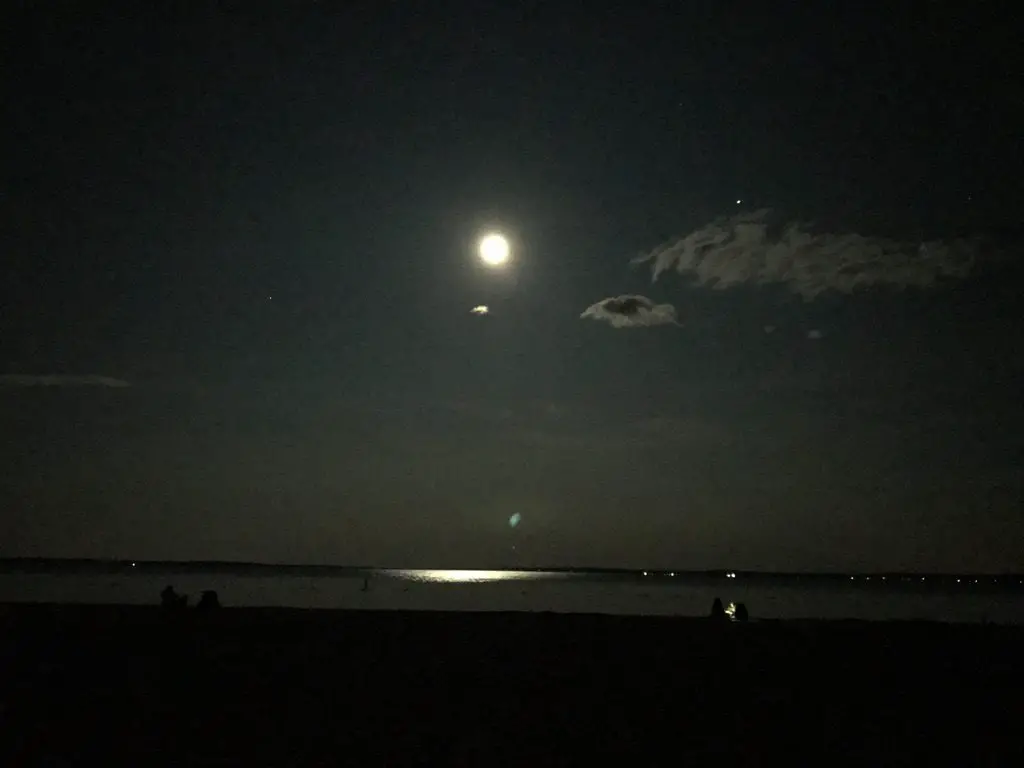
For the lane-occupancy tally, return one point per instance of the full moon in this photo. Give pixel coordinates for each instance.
(494, 250)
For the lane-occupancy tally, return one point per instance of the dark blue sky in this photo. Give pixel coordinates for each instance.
(168, 171)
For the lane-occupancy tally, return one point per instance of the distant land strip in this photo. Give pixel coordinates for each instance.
(87, 566)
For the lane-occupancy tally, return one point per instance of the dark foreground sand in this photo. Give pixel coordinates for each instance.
(92, 685)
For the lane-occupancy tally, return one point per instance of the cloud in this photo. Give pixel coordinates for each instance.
(745, 248)
(58, 380)
(631, 312)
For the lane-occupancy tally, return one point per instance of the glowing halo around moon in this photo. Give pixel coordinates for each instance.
(494, 250)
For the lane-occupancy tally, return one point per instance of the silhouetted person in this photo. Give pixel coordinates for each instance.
(718, 610)
(741, 612)
(171, 600)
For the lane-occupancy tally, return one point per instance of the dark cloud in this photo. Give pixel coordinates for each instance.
(746, 248)
(631, 312)
(58, 380)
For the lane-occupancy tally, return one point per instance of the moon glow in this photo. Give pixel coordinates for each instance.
(494, 250)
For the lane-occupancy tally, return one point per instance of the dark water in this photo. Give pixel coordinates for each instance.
(953, 598)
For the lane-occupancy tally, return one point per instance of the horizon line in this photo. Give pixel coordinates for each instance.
(129, 564)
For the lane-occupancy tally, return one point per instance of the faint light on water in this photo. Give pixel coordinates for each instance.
(467, 577)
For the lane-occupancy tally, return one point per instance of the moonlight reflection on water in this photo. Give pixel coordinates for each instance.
(468, 577)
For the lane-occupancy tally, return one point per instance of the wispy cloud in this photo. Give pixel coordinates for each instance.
(746, 248)
(59, 380)
(631, 312)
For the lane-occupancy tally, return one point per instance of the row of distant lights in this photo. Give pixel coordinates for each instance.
(732, 575)
(958, 581)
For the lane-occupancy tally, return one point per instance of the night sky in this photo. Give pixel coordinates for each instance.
(238, 260)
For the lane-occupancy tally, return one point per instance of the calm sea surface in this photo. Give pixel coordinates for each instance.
(964, 598)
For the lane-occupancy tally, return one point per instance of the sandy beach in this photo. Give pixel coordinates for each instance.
(275, 687)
